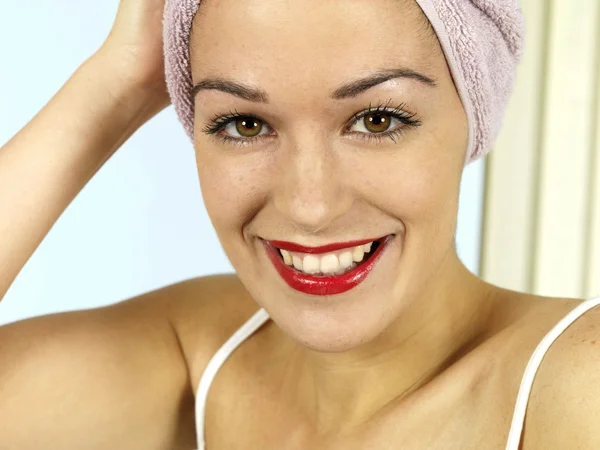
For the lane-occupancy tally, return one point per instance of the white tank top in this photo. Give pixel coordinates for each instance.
(516, 428)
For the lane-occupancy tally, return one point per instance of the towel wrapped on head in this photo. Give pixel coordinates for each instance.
(482, 41)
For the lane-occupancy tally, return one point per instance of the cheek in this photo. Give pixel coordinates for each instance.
(432, 195)
(420, 192)
(432, 182)
(233, 187)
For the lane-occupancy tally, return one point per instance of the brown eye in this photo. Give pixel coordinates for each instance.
(247, 126)
(377, 123)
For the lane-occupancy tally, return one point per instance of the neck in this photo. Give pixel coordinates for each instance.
(339, 392)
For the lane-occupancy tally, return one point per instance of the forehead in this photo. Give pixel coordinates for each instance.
(287, 38)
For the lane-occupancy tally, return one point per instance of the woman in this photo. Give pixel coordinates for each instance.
(334, 191)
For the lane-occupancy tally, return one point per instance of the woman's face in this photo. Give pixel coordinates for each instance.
(308, 168)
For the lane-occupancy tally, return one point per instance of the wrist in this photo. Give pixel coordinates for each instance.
(140, 100)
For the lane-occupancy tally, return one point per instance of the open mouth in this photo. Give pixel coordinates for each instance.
(327, 270)
(329, 264)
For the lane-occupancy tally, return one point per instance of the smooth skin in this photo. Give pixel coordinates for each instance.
(422, 355)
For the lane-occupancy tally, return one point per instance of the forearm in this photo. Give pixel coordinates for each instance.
(45, 165)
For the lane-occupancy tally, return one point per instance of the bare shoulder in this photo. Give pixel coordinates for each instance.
(205, 312)
(201, 312)
(110, 377)
(564, 406)
(120, 376)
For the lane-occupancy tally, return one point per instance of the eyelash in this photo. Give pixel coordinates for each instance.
(219, 122)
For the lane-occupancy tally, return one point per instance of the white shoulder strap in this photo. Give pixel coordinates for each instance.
(516, 428)
(249, 327)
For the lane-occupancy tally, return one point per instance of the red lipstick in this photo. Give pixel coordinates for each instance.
(323, 285)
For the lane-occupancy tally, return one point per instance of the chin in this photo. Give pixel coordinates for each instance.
(335, 323)
(330, 335)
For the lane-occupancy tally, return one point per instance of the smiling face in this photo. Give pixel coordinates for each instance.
(314, 158)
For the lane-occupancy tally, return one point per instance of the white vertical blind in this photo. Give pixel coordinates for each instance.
(512, 166)
(566, 143)
(542, 217)
(592, 281)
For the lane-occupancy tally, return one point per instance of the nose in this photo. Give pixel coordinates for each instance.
(312, 190)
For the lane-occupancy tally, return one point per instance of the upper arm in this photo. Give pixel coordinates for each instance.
(112, 377)
(564, 407)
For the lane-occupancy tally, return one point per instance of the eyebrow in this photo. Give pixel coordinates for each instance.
(345, 91)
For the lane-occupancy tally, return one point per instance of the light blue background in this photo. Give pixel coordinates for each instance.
(140, 223)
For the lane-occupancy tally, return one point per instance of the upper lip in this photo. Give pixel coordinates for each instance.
(293, 247)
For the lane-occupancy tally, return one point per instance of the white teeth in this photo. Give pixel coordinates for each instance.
(358, 253)
(334, 263)
(297, 262)
(287, 258)
(346, 260)
(311, 264)
(330, 264)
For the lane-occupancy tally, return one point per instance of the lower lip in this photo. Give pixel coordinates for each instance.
(331, 285)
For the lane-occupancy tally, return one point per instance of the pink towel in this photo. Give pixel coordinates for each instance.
(482, 40)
